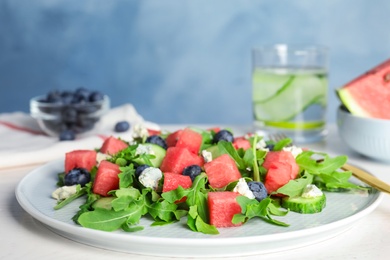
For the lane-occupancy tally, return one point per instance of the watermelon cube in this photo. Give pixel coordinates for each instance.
(222, 207)
(106, 178)
(221, 171)
(177, 158)
(281, 168)
(241, 142)
(174, 180)
(172, 138)
(190, 139)
(81, 159)
(112, 145)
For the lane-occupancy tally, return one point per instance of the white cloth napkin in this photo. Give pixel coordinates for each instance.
(22, 143)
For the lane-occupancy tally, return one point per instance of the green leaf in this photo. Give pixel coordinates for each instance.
(79, 192)
(196, 223)
(126, 177)
(295, 187)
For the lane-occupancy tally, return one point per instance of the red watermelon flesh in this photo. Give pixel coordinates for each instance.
(369, 94)
(241, 142)
(177, 158)
(174, 180)
(222, 207)
(281, 168)
(221, 171)
(172, 138)
(190, 139)
(81, 159)
(106, 178)
(283, 157)
(112, 145)
(278, 174)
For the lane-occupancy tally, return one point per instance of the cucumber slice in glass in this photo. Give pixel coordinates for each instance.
(303, 91)
(267, 84)
(304, 205)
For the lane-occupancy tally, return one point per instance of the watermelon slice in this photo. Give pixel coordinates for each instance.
(221, 171)
(112, 145)
(80, 158)
(222, 207)
(177, 158)
(106, 178)
(281, 168)
(190, 139)
(369, 94)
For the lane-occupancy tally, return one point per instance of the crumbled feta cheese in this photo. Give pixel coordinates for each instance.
(294, 150)
(144, 149)
(207, 156)
(150, 177)
(140, 131)
(64, 192)
(101, 157)
(311, 191)
(261, 145)
(243, 189)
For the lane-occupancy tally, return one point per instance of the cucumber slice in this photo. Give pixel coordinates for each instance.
(159, 152)
(305, 205)
(266, 84)
(303, 91)
(103, 203)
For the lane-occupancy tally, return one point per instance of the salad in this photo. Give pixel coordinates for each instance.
(208, 176)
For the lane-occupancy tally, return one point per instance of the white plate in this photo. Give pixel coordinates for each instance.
(343, 210)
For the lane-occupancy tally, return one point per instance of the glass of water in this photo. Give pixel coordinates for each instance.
(290, 89)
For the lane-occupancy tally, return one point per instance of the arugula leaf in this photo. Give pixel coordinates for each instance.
(295, 187)
(126, 177)
(196, 223)
(251, 208)
(282, 143)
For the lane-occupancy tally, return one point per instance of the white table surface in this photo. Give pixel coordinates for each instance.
(22, 237)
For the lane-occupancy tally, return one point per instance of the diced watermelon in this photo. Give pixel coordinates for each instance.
(173, 180)
(222, 207)
(190, 139)
(81, 159)
(241, 142)
(112, 145)
(172, 138)
(177, 158)
(221, 171)
(106, 178)
(281, 168)
(153, 131)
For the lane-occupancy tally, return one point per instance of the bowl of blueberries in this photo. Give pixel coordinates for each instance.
(65, 114)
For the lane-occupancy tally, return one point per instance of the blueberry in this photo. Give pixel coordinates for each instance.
(122, 126)
(67, 135)
(156, 139)
(53, 97)
(258, 189)
(95, 96)
(77, 176)
(270, 147)
(223, 135)
(192, 171)
(140, 169)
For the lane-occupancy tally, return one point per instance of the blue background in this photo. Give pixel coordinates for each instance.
(177, 61)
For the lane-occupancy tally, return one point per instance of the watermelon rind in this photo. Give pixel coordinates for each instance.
(350, 103)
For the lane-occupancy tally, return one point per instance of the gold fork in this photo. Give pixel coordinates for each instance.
(357, 172)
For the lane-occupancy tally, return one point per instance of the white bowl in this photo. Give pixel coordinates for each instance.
(367, 136)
